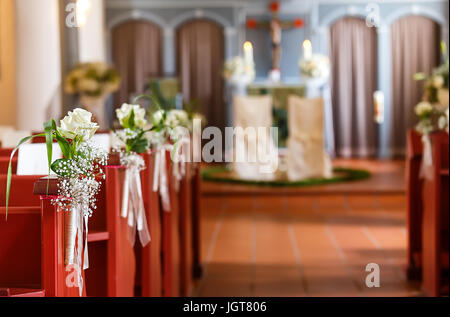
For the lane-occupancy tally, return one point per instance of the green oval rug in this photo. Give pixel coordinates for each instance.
(222, 174)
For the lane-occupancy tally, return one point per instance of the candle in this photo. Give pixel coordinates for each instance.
(307, 49)
(248, 54)
(378, 101)
(82, 12)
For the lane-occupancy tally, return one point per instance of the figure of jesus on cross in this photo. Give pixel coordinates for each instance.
(276, 26)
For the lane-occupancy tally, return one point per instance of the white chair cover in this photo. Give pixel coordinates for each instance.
(254, 112)
(306, 156)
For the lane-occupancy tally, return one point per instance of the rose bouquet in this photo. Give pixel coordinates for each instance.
(236, 69)
(170, 134)
(133, 142)
(132, 120)
(79, 174)
(432, 111)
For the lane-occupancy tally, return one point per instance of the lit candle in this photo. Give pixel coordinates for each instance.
(248, 54)
(307, 49)
(82, 11)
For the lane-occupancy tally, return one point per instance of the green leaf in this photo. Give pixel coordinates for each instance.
(63, 143)
(131, 123)
(48, 128)
(57, 167)
(140, 145)
(9, 174)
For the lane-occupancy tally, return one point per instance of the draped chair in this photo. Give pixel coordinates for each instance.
(306, 156)
(254, 112)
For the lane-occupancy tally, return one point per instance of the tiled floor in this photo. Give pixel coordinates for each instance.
(303, 245)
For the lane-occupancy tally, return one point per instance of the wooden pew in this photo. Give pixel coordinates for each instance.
(20, 239)
(435, 227)
(111, 271)
(186, 233)
(195, 182)
(4, 162)
(149, 261)
(31, 241)
(171, 238)
(121, 261)
(6, 152)
(414, 185)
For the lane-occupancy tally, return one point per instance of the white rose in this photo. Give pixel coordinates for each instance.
(78, 124)
(423, 108)
(177, 117)
(158, 115)
(124, 113)
(438, 81)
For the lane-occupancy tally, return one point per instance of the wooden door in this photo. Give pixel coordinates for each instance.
(200, 58)
(137, 55)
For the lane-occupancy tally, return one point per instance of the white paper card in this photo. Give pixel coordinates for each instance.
(32, 159)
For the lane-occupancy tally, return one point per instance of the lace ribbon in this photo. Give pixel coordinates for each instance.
(74, 242)
(160, 177)
(132, 201)
(160, 180)
(426, 170)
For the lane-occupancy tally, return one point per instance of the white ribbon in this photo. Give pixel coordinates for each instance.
(74, 234)
(160, 180)
(426, 170)
(132, 201)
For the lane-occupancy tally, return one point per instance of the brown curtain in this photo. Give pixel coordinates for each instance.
(200, 57)
(137, 55)
(415, 48)
(354, 79)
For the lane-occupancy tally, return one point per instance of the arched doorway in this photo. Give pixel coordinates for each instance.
(353, 53)
(415, 48)
(200, 58)
(137, 55)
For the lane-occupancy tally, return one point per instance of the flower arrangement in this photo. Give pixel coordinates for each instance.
(132, 120)
(133, 136)
(432, 111)
(79, 174)
(317, 66)
(236, 68)
(80, 169)
(92, 79)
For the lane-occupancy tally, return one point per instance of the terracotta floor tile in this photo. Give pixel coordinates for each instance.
(305, 245)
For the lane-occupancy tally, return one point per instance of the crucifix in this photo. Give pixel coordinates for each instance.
(276, 27)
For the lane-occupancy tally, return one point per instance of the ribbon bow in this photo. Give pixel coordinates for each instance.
(132, 202)
(160, 180)
(74, 233)
(426, 170)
